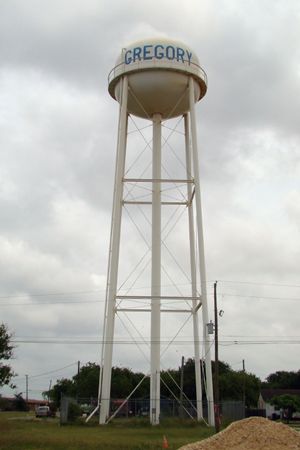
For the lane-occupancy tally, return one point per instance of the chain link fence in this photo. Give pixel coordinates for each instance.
(74, 408)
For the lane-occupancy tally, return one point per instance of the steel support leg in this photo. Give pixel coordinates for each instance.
(210, 398)
(193, 270)
(111, 289)
(155, 273)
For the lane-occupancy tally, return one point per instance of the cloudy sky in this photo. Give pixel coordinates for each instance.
(57, 147)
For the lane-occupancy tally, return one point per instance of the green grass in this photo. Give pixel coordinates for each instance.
(21, 431)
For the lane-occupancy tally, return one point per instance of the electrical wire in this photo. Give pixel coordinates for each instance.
(52, 371)
(97, 291)
(259, 297)
(257, 283)
(67, 341)
(100, 291)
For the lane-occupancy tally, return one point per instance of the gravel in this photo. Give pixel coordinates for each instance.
(255, 433)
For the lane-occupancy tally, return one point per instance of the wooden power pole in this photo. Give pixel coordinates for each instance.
(216, 378)
(181, 387)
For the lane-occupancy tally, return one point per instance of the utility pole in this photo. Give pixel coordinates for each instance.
(181, 387)
(216, 380)
(50, 385)
(244, 384)
(78, 372)
(26, 388)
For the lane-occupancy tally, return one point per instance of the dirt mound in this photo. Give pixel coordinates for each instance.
(254, 433)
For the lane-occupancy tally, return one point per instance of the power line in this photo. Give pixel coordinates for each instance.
(258, 283)
(52, 371)
(46, 373)
(278, 342)
(260, 297)
(97, 291)
(147, 342)
(82, 302)
(49, 294)
(185, 338)
(36, 390)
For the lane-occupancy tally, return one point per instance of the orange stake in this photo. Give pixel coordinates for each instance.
(165, 442)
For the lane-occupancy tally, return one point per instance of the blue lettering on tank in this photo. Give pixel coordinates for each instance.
(189, 55)
(170, 52)
(137, 54)
(158, 54)
(180, 54)
(147, 52)
(159, 51)
(128, 58)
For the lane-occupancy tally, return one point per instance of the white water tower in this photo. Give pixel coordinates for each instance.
(158, 80)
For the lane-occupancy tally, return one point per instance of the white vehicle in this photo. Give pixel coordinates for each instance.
(42, 411)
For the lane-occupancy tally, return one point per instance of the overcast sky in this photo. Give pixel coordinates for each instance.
(57, 147)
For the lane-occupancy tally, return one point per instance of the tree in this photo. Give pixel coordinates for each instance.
(62, 387)
(19, 403)
(85, 384)
(124, 381)
(231, 383)
(6, 352)
(283, 380)
(289, 403)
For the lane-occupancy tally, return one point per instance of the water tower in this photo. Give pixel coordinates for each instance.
(158, 80)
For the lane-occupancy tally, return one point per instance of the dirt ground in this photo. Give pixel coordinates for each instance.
(255, 433)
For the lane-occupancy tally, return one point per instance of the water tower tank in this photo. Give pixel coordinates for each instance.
(158, 73)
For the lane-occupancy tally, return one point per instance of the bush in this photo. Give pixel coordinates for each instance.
(5, 404)
(74, 412)
(20, 404)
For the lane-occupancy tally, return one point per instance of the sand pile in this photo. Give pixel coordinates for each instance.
(254, 433)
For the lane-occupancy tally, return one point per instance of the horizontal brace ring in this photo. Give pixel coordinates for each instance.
(155, 297)
(156, 180)
(189, 311)
(132, 202)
